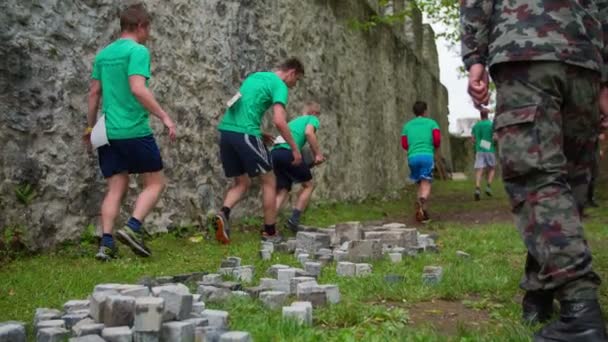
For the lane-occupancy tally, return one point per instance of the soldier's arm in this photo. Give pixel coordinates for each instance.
(475, 31)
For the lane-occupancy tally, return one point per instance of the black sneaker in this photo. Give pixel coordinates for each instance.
(106, 253)
(293, 226)
(134, 240)
(477, 194)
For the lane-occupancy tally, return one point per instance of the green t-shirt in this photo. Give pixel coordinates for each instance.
(258, 92)
(419, 132)
(125, 117)
(482, 132)
(297, 127)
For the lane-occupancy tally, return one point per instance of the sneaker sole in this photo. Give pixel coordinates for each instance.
(102, 257)
(220, 232)
(134, 245)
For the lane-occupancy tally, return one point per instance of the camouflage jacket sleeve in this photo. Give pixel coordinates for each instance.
(603, 10)
(475, 30)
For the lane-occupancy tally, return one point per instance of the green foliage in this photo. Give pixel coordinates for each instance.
(11, 244)
(25, 193)
(89, 235)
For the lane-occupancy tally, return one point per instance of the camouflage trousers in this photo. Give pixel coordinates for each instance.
(546, 123)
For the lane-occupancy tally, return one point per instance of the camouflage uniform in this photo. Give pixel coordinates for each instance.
(547, 59)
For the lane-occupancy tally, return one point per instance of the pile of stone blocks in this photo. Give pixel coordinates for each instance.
(300, 312)
(125, 313)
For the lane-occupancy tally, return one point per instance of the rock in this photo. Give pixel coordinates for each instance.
(313, 268)
(311, 242)
(303, 258)
(395, 257)
(119, 311)
(340, 255)
(54, 334)
(117, 334)
(207, 334)
(198, 307)
(395, 237)
(255, 291)
(213, 294)
(362, 270)
(273, 299)
(216, 318)
(148, 314)
(12, 332)
(230, 285)
(212, 279)
(136, 292)
(268, 246)
(54, 323)
(87, 327)
(87, 338)
(75, 305)
(348, 231)
(44, 314)
(364, 250)
(293, 283)
(72, 318)
(177, 331)
(462, 254)
(311, 292)
(265, 254)
(400, 250)
(97, 304)
(394, 225)
(325, 259)
(292, 244)
(226, 271)
(333, 237)
(308, 307)
(231, 262)
(297, 313)
(236, 336)
(346, 269)
(146, 336)
(332, 293)
(432, 275)
(178, 301)
(243, 273)
(148, 282)
(285, 275)
(197, 322)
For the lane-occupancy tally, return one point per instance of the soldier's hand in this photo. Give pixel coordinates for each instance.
(479, 85)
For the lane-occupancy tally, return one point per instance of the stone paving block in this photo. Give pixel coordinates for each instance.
(292, 244)
(273, 299)
(230, 285)
(325, 259)
(265, 254)
(177, 331)
(226, 271)
(348, 231)
(216, 318)
(255, 291)
(293, 283)
(97, 304)
(311, 292)
(164, 280)
(231, 262)
(362, 270)
(364, 250)
(394, 225)
(333, 237)
(87, 338)
(395, 257)
(303, 258)
(53, 323)
(243, 273)
(269, 246)
(213, 294)
(207, 334)
(117, 334)
(148, 314)
(54, 334)
(240, 294)
(45, 314)
(87, 327)
(297, 313)
(146, 336)
(178, 301)
(332, 293)
(283, 286)
(119, 311)
(197, 322)
(313, 268)
(394, 237)
(236, 336)
(308, 307)
(285, 275)
(198, 307)
(75, 305)
(340, 255)
(267, 282)
(346, 269)
(12, 332)
(136, 292)
(311, 241)
(211, 279)
(72, 318)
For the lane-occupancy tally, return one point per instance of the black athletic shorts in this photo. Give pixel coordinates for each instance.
(243, 153)
(287, 173)
(137, 155)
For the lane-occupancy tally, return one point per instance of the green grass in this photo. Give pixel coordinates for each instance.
(370, 310)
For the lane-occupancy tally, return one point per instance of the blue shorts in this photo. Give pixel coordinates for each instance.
(421, 168)
(137, 155)
(243, 153)
(287, 173)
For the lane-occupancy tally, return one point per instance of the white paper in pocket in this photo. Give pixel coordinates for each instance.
(279, 140)
(99, 136)
(485, 144)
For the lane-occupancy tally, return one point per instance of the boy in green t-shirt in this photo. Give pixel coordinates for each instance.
(303, 129)
(242, 149)
(420, 137)
(119, 79)
(483, 139)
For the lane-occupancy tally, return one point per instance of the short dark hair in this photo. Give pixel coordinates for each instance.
(292, 64)
(484, 113)
(134, 16)
(419, 108)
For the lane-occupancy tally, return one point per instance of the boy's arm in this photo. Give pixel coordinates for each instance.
(138, 87)
(94, 100)
(436, 138)
(311, 138)
(404, 142)
(280, 121)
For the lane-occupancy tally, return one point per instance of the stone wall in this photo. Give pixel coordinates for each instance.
(366, 83)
